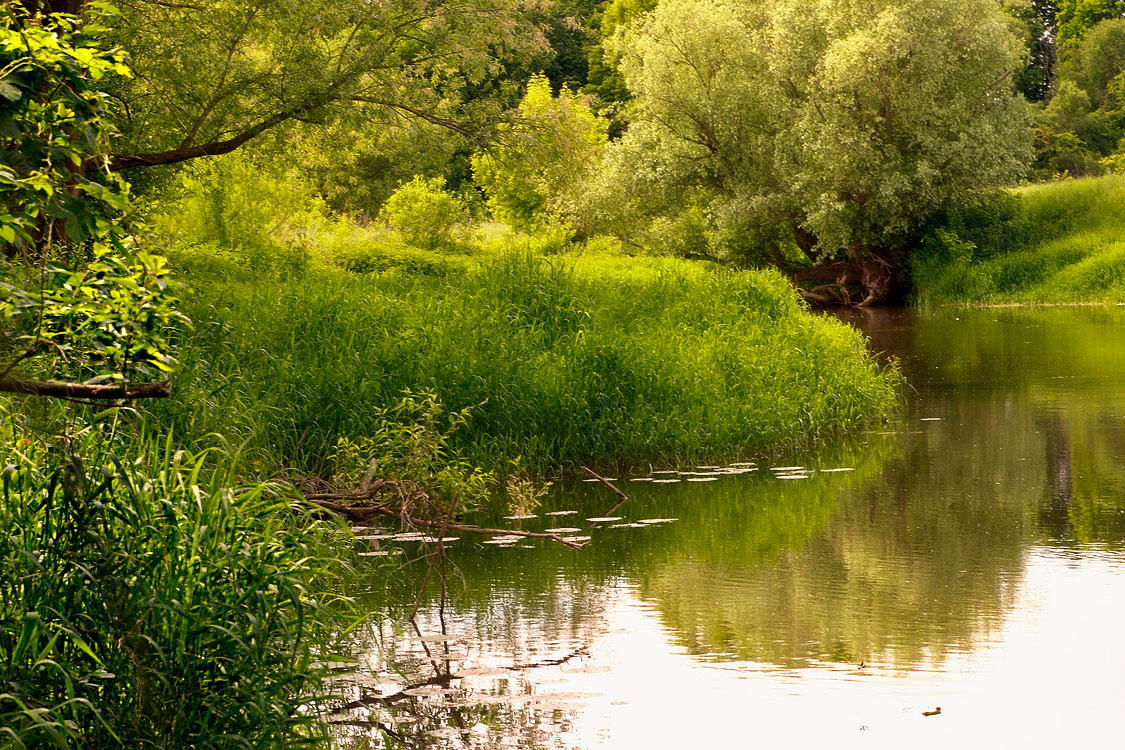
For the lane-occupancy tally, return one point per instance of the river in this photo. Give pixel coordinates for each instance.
(967, 556)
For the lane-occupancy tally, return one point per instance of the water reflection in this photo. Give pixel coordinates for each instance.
(971, 559)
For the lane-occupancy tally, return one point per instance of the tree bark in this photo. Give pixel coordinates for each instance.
(117, 162)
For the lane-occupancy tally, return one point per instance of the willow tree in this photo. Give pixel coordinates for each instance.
(212, 75)
(839, 124)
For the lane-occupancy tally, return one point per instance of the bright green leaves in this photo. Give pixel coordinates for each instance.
(411, 439)
(1076, 17)
(52, 132)
(75, 301)
(555, 140)
(108, 321)
(424, 214)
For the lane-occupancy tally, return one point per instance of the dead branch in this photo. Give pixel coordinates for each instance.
(607, 483)
(346, 504)
(84, 392)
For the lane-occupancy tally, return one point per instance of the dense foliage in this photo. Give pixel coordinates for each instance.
(834, 128)
(78, 299)
(53, 131)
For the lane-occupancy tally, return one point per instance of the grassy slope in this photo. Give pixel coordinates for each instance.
(1067, 245)
(583, 358)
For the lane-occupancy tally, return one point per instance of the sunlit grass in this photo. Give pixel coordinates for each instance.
(1071, 249)
(565, 359)
(149, 597)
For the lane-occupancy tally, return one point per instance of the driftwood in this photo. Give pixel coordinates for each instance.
(607, 483)
(83, 391)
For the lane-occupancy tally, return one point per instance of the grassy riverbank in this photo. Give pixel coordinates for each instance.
(569, 358)
(155, 560)
(153, 597)
(1056, 243)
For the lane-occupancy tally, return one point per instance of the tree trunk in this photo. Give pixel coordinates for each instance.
(869, 278)
(882, 278)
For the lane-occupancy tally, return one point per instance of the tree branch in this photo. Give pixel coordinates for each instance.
(117, 162)
(60, 389)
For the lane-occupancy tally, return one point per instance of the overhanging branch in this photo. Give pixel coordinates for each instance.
(117, 162)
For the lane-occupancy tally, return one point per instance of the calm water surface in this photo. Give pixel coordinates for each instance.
(970, 555)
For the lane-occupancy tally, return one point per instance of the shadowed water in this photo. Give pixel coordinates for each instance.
(970, 555)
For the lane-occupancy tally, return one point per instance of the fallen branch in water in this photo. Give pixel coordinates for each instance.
(606, 482)
(408, 496)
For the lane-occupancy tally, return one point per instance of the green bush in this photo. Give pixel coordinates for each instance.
(424, 214)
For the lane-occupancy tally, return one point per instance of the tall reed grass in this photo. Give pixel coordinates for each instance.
(595, 357)
(149, 597)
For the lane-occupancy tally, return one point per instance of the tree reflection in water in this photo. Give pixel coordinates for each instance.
(1011, 442)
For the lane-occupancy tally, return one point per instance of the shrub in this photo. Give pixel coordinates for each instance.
(424, 214)
(543, 157)
(267, 219)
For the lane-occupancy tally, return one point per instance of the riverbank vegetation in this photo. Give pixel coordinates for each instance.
(163, 568)
(562, 359)
(1054, 243)
(447, 250)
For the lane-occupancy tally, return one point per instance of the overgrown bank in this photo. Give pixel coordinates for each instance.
(570, 358)
(1057, 242)
(155, 593)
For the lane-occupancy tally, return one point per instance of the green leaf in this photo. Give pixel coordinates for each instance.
(10, 92)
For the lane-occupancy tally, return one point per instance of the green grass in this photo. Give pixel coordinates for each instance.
(1063, 243)
(595, 357)
(151, 598)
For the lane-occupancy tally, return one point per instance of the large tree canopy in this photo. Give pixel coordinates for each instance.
(211, 75)
(841, 123)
